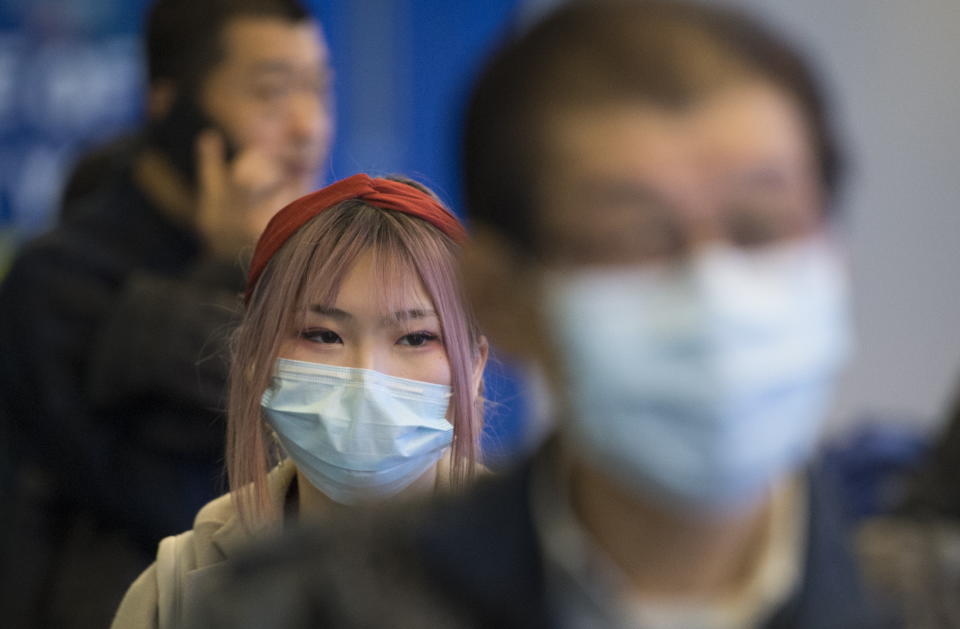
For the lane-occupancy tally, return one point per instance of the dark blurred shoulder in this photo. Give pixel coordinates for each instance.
(458, 561)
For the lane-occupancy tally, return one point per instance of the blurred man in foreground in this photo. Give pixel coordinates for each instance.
(650, 185)
(111, 324)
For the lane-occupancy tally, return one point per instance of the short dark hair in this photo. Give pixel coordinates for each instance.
(602, 52)
(184, 37)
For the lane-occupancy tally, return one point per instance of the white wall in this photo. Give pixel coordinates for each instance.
(895, 69)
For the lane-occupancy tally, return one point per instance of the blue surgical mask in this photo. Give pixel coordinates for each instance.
(702, 383)
(357, 435)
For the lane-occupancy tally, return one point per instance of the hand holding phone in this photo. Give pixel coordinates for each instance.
(175, 135)
(237, 198)
(237, 190)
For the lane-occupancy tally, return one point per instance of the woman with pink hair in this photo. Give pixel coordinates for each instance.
(355, 378)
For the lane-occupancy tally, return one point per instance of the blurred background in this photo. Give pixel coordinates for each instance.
(70, 79)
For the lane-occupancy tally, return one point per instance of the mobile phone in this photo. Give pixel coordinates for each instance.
(175, 135)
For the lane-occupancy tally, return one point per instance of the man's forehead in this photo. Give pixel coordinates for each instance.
(612, 149)
(728, 135)
(274, 42)
(634, 165)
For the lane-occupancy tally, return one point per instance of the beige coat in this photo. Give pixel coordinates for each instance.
(188, 563)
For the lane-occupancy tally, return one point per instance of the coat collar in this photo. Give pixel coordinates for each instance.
(484, 552)
(232, 535)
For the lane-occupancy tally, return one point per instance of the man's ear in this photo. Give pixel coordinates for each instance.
(502, 287)
(160, 97)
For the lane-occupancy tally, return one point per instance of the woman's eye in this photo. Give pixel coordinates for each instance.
(321, 336)
(417, 339)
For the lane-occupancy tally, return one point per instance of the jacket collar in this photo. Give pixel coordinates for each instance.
(233, 535)
(484, 551)
(830, 592)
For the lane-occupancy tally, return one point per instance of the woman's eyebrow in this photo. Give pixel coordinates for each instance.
(333, 313)
(399, 315)
(412, 313)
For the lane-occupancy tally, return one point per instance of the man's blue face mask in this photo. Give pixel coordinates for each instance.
(701, 384)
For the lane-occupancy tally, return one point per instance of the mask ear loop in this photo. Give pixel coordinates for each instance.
(278, 454)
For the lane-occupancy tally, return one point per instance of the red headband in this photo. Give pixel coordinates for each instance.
(381, 193)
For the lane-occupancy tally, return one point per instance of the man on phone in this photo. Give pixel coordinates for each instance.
(111, 324)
